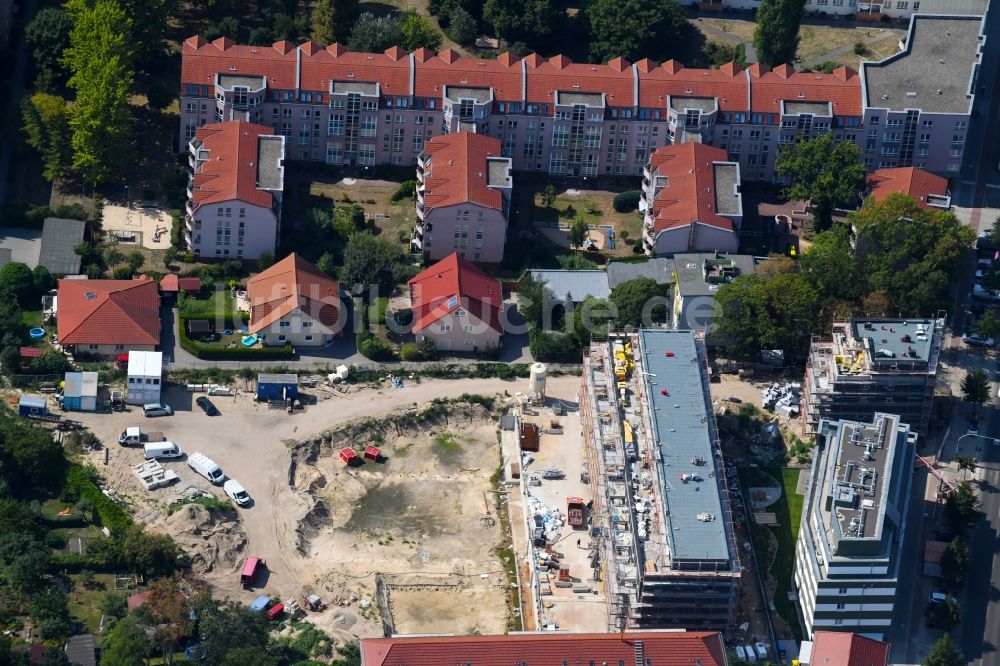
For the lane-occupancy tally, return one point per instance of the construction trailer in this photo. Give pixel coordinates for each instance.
(277, 386)
(145, 375)
(31, 405)
(80, 392)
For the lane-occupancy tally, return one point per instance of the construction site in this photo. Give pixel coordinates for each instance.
(665, 549)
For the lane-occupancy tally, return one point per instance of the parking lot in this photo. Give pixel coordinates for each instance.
(252, 443)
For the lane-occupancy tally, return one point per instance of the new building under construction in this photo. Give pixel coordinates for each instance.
(873, 365)
(666, 550)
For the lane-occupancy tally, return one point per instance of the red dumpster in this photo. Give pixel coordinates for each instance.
(249, 572)
(275, 611)
(348, 455)
(372, 453)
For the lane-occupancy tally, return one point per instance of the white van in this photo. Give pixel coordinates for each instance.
(156, 409)
(236, 492)
(161, 450)
(750, 655)
(741, 654)
(761, 651)
(205, 466)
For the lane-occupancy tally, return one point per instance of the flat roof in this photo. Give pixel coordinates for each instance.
(728, 200)
(360, 87)
(227, 81)
(498, 172)
(281, 378)
(458, 93)
(660, 269)
(681, 431)
(578, 284)
(813, 108)
(588, 99)
(703, 104)
(895, 341)
(691, 271)
(145, 363)
(60, 237)
(933, 73)
(270, 162)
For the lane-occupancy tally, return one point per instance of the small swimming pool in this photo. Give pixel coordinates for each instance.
(249, 340)
(37, 333)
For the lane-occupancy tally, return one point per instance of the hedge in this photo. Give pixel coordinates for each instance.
(627, 202)
(81, 483)
(213, 352)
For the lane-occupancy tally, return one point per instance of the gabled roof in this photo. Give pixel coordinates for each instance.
(842, 89)
(230, 172)
(449, 284)
(458, 171)
(547, 649)
(292, 284)
(837, 648)
(689, 195)
(912, 181)
(119, 312)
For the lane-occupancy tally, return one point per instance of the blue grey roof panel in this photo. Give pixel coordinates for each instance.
(578, 284)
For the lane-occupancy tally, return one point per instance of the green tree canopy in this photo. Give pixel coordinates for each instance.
(126, 644)
(16, 279)
(962, 507)
(823, 170)
(635, 29)
(535, 301)
(48, 36)
(944, 653)
(955, 560)
(910, 253)
(776, 37)
(46, 124)
(227, 627)
(640, 302)
(530, 21)
(830, 266)
(332, 20)
(988, 326)
(375, 34)
(976, 387)
(578, 231)
(418, 32)
(462, 26)
(99, 58)
(370, 261)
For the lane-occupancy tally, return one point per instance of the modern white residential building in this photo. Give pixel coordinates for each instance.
(848, 554)
(145, 375)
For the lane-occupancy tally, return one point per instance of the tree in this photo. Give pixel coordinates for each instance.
(327, 264)
(549, 195)
(955, 560)
(228, 627)
(830, 266)
(46, 124)
(48, 36)
(349, 654)
(535, 301)
(248, 656)
(962, 507)
(635, 29)
(332, 20)
(375, 34)
(988, 326)
(461, 26)
(126, 644)
(975, 386)
(16, 279)
(522, 20)
(777, 35)
(169, 255)
(369, 262)
(578, 232)
(418, 32)
(945, 614)
(641, 302)
(825, 171)
(42, 279)
(100, 61)
(943, 653)
(135, 260)
(168, 611)
(113, 604)
(148, 23)
(967, 463)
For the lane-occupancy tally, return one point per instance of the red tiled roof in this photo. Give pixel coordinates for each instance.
(450, 283)
(231, 169)
(736, 89)
(915, 182)
(458, 171)
(842, 89)
(136, 600)
(837, 648)
(689, 195)
(546, 649)
(109, 312)
(169, 283)
(292, 283)
(189, 284)
(30, 352)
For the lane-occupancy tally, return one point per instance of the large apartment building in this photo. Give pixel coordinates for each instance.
(850, 543)
(873, 365)
(575, 119)
(871, 11)
(234, 191)
(668, 553)
(463, 198)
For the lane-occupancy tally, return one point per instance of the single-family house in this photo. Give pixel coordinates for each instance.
(457, 306)
(928, 190)
(109, 317)
(691, 200)
(463, 198)
(293, 302)
(234, 194)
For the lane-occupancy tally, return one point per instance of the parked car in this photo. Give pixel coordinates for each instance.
(207, 406)
(159, 450)
(552, 474)
(979, 291)
(156, 409)
(236, 492)
(977, 340)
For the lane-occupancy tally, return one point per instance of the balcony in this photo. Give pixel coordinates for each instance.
(417, 242)
(190, 190)
(190, 207)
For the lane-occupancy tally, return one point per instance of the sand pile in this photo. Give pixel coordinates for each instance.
(215, 541)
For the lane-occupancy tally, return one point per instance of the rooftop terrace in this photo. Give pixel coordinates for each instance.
(858, 477)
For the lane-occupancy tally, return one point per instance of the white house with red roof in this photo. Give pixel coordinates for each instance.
(691, 201)
(109, 317)
(234, 194)
(463, 197)
(929, 191)
(293, 302)
(457, 306)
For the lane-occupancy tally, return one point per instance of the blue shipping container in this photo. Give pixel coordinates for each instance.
(30, 405)
(277, 387)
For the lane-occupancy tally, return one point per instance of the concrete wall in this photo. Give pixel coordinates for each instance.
(440, 225)
(260, 227)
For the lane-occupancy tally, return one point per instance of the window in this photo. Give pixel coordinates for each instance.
(122, 348)
(282, 338)
(307, 324)
(94, 347)
(469, 328)
(444, 328)
(285, 324)
(841, 606)
(961, 125)
(243, 212)
(309, 338)
(469, 343)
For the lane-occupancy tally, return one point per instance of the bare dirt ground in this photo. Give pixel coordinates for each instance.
(428, 494)
(748, 391)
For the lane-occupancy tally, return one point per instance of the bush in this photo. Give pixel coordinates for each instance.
(372, 347)
(555, 347)
(860, 48)
(406, 190)
(418, 351)
(177, 230)
(627, 202)
(81, 483)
